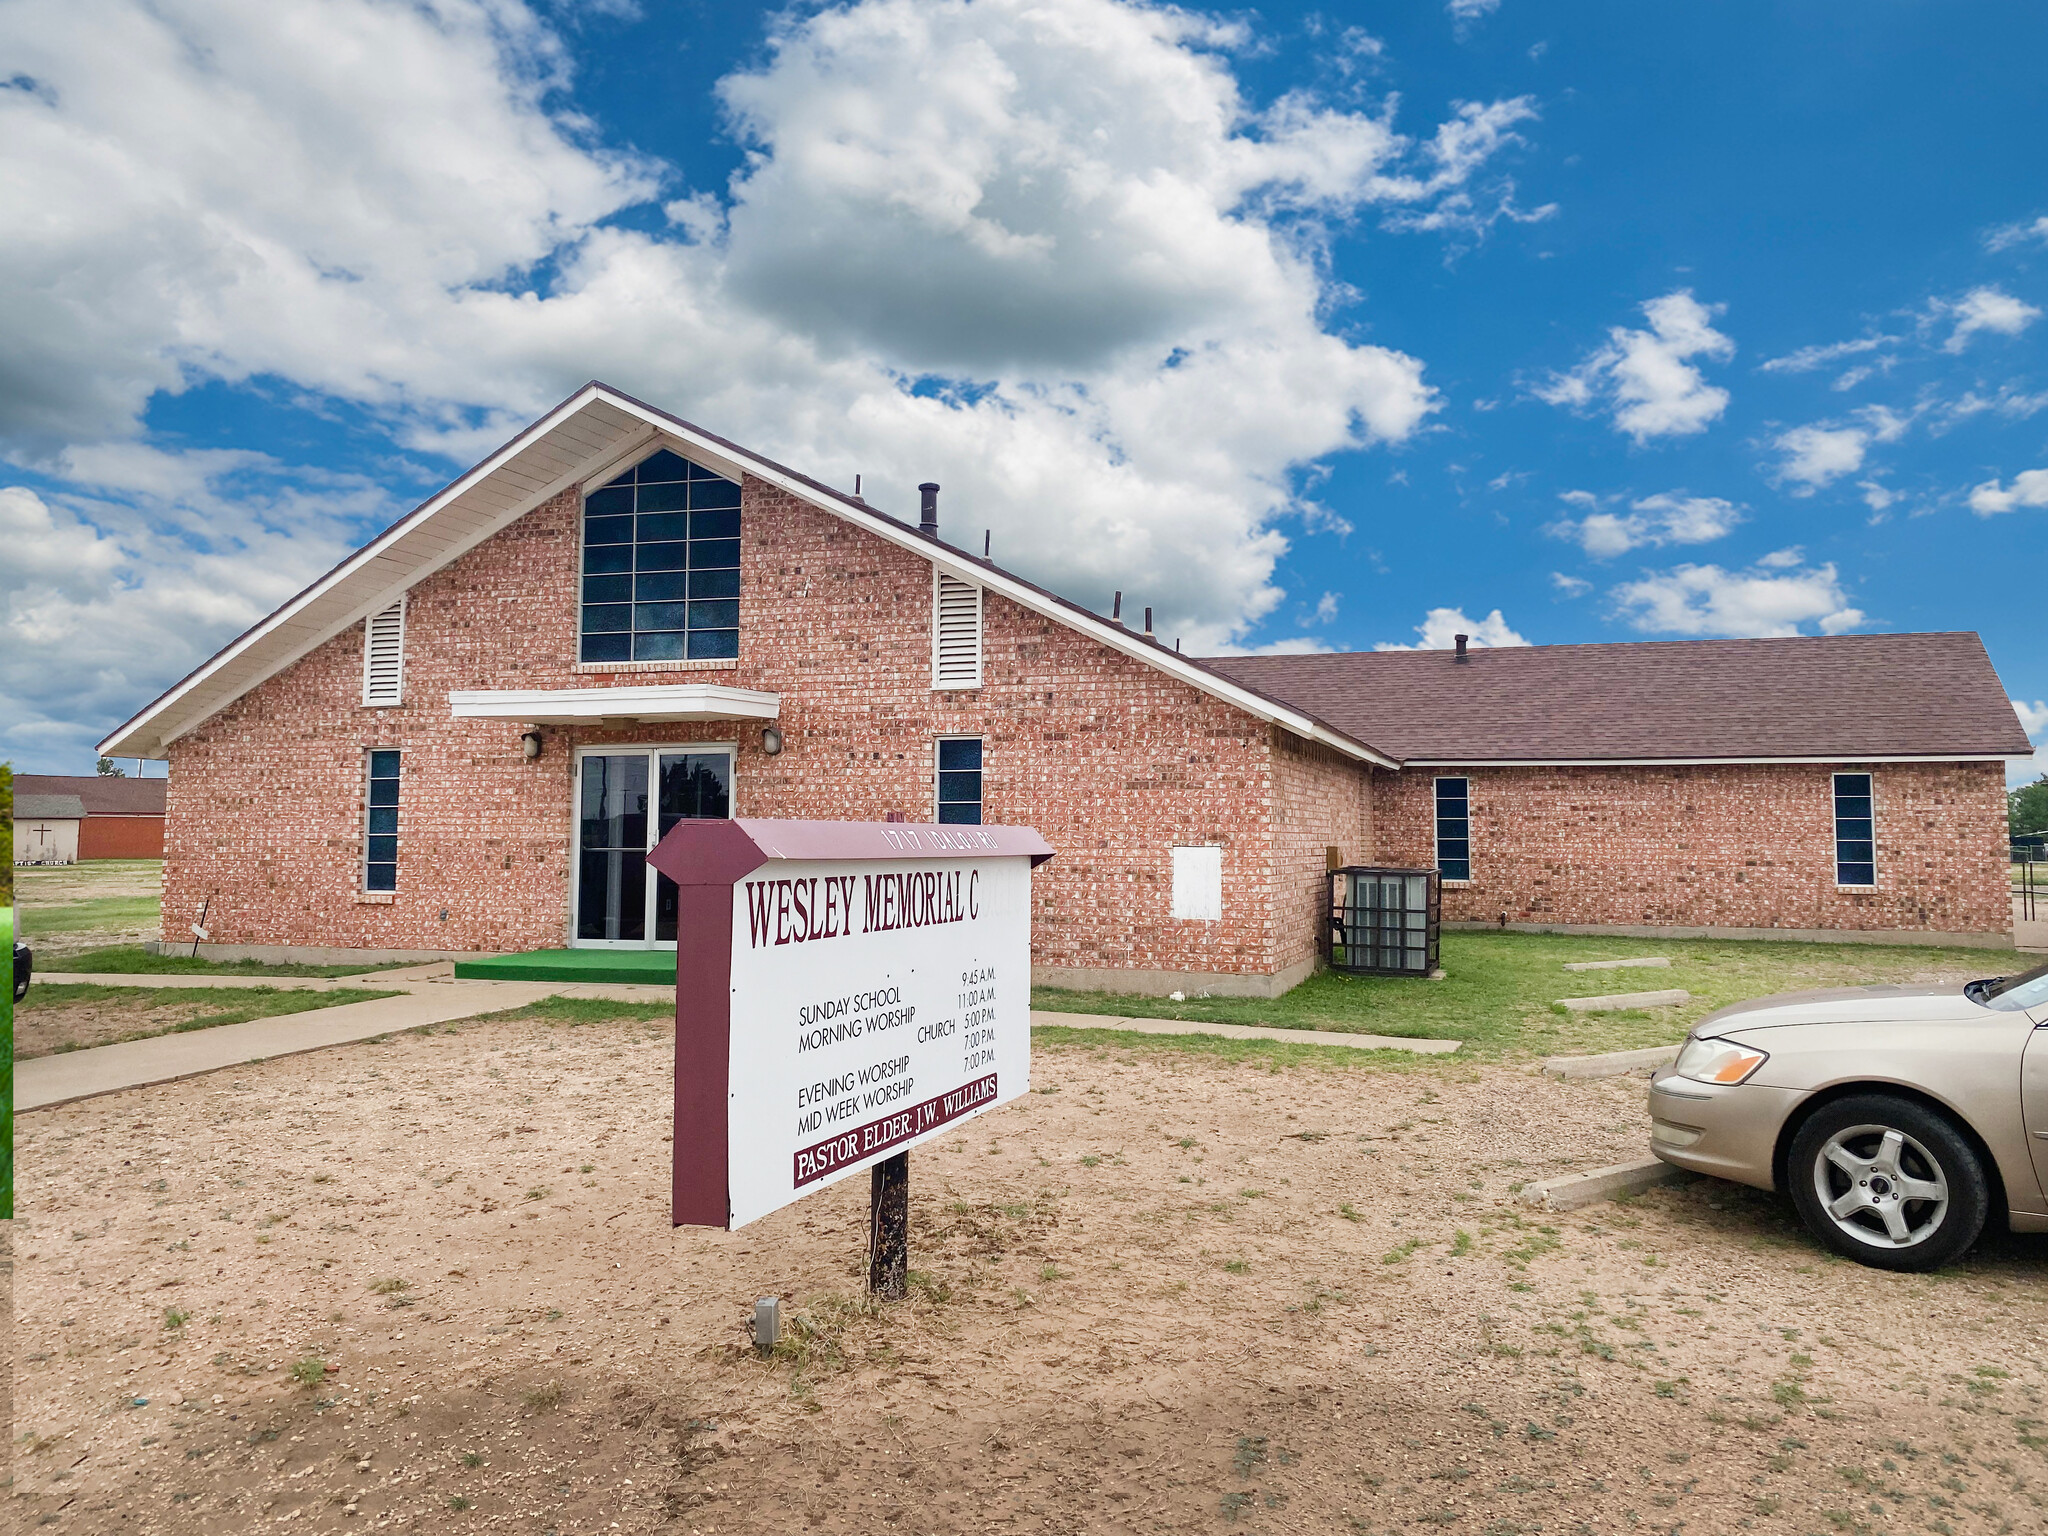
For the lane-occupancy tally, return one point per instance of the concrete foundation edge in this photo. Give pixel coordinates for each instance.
(1166, 983)
(312, 954)
(1779, 935)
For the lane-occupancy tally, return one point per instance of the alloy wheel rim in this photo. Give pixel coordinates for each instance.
(1880, 1186)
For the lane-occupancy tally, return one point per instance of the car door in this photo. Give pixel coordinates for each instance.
(2034, 1092)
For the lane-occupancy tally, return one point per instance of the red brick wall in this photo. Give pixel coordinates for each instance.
(121, 837)
(1713, 847)
(1320, 801)
(1111, 760)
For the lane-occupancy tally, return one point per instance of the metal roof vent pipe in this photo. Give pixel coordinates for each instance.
(1148, 623)
(1116, 609)
(928, 510)
(1463, 642)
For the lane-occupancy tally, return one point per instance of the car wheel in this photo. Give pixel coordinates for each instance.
(1887, 1182)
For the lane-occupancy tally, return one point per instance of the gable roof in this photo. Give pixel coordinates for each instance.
(1830, 698)
(101, 794)
(584, 441)
(48, 808)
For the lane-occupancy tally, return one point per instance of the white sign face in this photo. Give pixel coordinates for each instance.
(874, 1005)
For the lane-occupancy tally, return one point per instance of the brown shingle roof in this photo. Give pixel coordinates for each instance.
(1844, 697)
(103, 796)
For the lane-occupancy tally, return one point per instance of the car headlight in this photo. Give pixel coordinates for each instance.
(1719, 1061)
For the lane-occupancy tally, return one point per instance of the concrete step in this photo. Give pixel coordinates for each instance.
(1611, 1063)
(1616, 1001)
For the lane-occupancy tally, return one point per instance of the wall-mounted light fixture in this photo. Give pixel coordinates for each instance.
(771, 741)
(529, 745)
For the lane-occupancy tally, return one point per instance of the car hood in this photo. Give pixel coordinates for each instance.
(1843, 1005)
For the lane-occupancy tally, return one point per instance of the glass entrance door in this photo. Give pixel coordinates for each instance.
(693, 785)
(615, 885)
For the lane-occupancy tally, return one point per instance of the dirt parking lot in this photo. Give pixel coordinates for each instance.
(429, 1285)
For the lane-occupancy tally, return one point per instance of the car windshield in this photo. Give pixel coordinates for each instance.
(2009, 994)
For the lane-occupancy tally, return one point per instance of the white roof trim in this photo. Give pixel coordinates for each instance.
(1699, 762)
(369, 579)
(583, 706)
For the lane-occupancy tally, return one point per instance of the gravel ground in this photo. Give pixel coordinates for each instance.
(1161, 1293)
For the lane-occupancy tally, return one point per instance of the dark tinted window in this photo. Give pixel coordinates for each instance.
(1454, 829)
(959, 781)
(657, 542)
(380, 828)
(1855, 830)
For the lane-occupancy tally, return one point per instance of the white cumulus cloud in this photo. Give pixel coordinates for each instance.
(1441, 627)
(2029, 489)
(1821, 453)
(2034, 719)
(1648, 379)
(1776, 596)
(1043, 251)
(1653, 521)
(1985, 309)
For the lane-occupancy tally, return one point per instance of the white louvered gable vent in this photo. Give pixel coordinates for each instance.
(384, 657)
(956, 632)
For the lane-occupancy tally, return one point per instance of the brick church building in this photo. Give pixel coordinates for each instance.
(467, 735)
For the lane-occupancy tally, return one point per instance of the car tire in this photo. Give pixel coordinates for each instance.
(1888, 1182)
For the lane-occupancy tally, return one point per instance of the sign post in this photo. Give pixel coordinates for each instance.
(844, 992)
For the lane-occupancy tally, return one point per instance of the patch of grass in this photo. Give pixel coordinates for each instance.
(175, 1319)
(309, 1372)
(1400, 1252)
(130, 959)
(112, 912)
(389, 1286)
(581, 1010)
(1499, 987)
(543, 1398)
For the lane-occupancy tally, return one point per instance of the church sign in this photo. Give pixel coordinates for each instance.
(844, 992)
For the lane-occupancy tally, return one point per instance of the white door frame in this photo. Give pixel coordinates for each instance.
(653, 752)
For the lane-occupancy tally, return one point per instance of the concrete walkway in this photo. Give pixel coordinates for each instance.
(428, 995)
(1242, 1032)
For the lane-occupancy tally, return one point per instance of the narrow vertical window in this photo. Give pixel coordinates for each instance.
(1454, 829)
(956, 632)
(380, 840)
(1855, 830)
(959, 779)
(384, 657)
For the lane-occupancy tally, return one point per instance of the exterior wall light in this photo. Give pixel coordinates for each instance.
(529, 745)
(771, 741)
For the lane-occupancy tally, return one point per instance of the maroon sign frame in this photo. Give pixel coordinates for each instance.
(706, 859)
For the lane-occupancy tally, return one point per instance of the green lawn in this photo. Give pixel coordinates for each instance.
(109, 912)
(130, 959)
(1499, 990)
(1498, 996)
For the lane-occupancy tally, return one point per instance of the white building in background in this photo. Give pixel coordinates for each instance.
(46, 828)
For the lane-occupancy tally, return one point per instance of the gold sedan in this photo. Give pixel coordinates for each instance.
(1900, 1119)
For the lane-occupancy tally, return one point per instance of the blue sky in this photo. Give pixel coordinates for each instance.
(1310, 327)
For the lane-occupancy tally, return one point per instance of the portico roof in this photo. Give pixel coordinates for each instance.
(589, 706)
